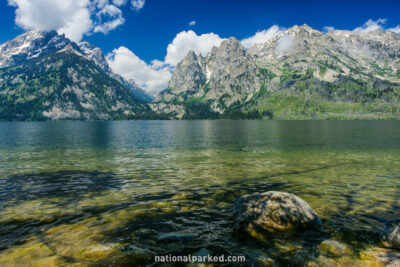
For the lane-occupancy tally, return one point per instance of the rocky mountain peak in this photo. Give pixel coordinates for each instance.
(95, 54)
(303, 31)
(30, 45)
(231, 44)
(229, 77)
(191, 55)
(34, 44)
(226, 75)
(188, 74)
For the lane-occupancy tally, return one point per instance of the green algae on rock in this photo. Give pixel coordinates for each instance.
(334, 248)
(274, 212)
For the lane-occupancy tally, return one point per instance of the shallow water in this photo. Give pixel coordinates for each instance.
(118, 193)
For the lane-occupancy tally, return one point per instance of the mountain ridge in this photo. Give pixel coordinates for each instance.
(33, 44)
(301, 73)
(359, 70)
(45, 76)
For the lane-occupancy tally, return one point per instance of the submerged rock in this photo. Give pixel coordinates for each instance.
(386, 257)
(391, 234)
(334, 248)
(29, 252)
(345, 261)
(372, 257)
(274, 212)
(52, 261)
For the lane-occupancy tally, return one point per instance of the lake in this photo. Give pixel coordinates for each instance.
(118, 193)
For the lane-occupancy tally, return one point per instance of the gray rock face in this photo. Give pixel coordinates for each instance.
(274, 212)
(31, 45)
(331, 55)
(227, 75)
(231, 78)
(391, 234)
(94, 54)
(231, 73)
(188, 75)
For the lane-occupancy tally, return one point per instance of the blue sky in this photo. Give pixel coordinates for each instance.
(145, 28)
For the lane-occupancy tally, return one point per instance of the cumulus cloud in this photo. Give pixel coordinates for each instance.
(74, 18)
(284, 45)
(370, 26)
(261, 36)
(152, 77)
(137, 4)
(70, 17)
(156, 75)
(328, 29)
(192, 23)
(189, 40)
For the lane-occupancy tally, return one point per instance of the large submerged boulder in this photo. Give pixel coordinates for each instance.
(274, 212)
(391, 234)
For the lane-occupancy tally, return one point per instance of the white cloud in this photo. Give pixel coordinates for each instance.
(119, 2)
(70, 17)
(109, 25)
(395, 29)
(74, 18)
(192, 23)
(156, 75)
(138, 4)
(153, 77)
(371, 25)
(157, 64)
(189, 40)
(79, 24)
(100, 3)
(328, 28)
(284, 45)
(113, 18)
(261, 36)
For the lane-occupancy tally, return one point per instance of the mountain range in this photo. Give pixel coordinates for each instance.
(301, 73)
(45, 76)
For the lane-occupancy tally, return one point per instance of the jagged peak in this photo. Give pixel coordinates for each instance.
(306, 26)
(296, 29)
(230, 40)
(192, 54)
(230, 43)
(36, 34)
(190, 57)
(70, 48)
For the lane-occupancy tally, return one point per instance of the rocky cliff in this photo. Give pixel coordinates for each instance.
(299, 74)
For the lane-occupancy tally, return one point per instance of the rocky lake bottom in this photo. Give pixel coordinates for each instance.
(119, 193)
